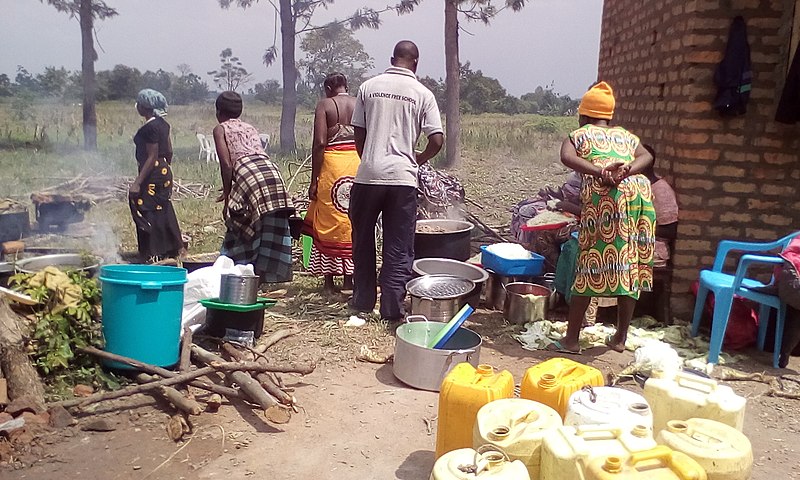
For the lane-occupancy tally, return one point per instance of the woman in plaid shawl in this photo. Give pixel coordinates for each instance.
(257, 208)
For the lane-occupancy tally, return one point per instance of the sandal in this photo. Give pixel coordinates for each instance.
(557, 347)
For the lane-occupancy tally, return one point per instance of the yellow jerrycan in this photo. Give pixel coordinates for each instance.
(516, 427)
(566, 451)
(686, 396)
(469, 464)
(464, 391)
(660, 463)
(724, 452)
(552, 382)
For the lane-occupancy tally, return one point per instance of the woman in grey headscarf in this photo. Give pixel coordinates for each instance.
(157, 229)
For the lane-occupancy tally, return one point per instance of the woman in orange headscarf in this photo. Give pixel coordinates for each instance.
(616, 236)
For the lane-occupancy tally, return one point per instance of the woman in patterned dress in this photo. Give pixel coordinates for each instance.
(257, 208)
(333, 168)
(616, 236)
(157, 230)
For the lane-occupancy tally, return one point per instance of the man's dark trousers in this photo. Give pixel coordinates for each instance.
(398, 204)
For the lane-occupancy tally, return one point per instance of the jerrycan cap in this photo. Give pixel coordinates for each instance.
(613, 465)
(499, 433)
(485, 370)
(640, 431)
(677, 426)
(547, 380)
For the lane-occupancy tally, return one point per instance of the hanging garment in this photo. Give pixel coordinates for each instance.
(734, 75)
(789, 106)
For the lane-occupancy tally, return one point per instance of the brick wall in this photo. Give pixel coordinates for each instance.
(735, 178)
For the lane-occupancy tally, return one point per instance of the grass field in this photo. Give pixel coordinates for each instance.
(505, 158)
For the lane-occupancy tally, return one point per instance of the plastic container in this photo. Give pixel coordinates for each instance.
(468, 464)
(567, 450)
(724, 452)
(142, 307)
(516, 426)
(553, 381)
(505, 267)
(608, 405)
(660, 463)
(464, 391)
(686, 396)
(244, 318)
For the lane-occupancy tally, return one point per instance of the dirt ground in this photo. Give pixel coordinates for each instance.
(357, 420)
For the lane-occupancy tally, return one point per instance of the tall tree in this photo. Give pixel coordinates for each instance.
(295, 18)
(87, 11)
(231, 74)
(334, 48)
(472, 10)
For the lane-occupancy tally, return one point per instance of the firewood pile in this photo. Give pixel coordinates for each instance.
(99, 189)
(251, 377)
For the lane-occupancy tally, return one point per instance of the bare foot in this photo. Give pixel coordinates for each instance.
(615, 344)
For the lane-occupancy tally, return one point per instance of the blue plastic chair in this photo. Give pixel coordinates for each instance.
(725, 287)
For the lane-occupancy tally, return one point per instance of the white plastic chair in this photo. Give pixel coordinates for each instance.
(264, 141)
(207, 148)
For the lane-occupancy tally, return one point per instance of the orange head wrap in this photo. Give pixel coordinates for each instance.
(598, 102)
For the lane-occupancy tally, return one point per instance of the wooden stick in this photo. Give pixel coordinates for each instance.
(273, 339)
(263, 378)
(486, 228)
(173, 396)
(186, 350)
(231, 393)
(249, 386)
(21, 377)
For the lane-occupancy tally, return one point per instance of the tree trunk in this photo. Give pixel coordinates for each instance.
(289, 105)
(88, 57)
(22, 378)
(452, 83)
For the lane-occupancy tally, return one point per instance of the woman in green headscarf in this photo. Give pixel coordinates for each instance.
(157, 229)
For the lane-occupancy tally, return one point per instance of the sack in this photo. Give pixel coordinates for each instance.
(742, 322)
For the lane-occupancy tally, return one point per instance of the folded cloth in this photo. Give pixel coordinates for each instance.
(68, 294)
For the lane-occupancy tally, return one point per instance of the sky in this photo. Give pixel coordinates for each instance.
(549, 41)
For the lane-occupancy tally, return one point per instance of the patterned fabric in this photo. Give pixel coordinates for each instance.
(242, 139)
(327, 220)
(665, 202)
(153, 100)
(616, 236)
(256, 190)
(270, 251)
(321, 264)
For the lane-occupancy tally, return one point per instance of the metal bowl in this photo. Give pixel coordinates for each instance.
(65, 261)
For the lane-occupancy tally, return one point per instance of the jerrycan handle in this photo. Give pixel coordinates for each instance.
(590, 430)
(696, 382)
(489, 456)
(415, 318)
(684, 470)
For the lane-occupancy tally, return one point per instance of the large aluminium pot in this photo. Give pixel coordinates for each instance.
(438, 297)
(448, 266)
(526, 302)
(436, 238)
(425, 368)
(64, 261)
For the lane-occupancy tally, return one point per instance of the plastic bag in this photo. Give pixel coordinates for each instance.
(205, 283)
(656, 355)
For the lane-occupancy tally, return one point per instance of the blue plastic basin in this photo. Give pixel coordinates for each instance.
(142, 306)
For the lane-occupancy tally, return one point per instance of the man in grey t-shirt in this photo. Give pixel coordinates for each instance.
(392, 110)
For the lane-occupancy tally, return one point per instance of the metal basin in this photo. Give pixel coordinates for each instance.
(64, 261)
(447, 266)
(425, 368)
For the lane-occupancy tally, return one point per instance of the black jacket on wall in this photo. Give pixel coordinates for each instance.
(734, 75)
(789, 106)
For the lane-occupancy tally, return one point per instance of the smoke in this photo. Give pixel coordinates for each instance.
(105, 243)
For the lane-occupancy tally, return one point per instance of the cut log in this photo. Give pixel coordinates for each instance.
(186, 350)
(231, 393)
(22, 379)
(173, 396)
(246, 382)
(263, 378)
(276, 337)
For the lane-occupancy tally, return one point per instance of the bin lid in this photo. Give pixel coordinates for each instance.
(215, 304)
(143, 273)
(439, 287)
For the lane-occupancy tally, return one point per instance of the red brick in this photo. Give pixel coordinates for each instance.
(723, 202)
(690, 200)
(691, 138)
(757, 204)
(725, 171)
(729, 217)
(780, 158)
(761, 234)
(728, 139)
(723, 231)
(692, 245)
(779, 220)
(783, 190)
(691, 168)
(699, 124)
(684, 260)
(738, 187)
(763, 141)
(699, 215)
(689, 230)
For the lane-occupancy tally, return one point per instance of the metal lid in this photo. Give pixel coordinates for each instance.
(439, 286)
